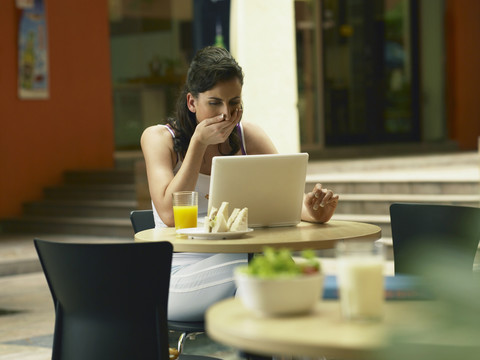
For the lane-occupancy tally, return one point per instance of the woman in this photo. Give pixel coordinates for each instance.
(179, 156)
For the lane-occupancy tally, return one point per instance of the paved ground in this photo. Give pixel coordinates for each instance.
(26, 308)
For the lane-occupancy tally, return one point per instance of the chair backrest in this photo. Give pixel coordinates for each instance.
(110, 299)
(142, 220)
(430, 233)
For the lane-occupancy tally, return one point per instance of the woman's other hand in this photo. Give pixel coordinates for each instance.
(319, 204)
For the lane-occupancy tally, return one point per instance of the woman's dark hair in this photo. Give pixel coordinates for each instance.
(209, 66)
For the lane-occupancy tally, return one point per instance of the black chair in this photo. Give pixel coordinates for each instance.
(431, 234)
(143, 220)
(107, 303)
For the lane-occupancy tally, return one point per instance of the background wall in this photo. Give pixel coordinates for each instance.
(463, 74)
(262, 39)
(73, 129)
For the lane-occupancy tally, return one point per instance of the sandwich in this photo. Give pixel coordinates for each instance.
(207, 225)
(240, 222)
(218, 220)
(232, 217)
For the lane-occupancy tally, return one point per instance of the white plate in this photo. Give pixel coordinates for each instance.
(199, 233)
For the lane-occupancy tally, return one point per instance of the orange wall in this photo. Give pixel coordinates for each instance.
(73, 129)
(463, 71)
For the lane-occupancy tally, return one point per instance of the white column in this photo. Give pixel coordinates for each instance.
(262, 40)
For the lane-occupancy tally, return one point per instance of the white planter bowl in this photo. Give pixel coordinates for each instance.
(280, 296)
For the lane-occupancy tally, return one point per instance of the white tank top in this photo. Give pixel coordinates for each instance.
(202, 187)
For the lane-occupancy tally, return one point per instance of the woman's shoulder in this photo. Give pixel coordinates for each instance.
(251, 129)
(156, 135)
(257, 140)
(157, 132)
(249, 126)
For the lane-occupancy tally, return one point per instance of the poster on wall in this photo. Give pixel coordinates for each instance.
(32, 50)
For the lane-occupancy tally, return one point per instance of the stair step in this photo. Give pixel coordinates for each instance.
(98, 192)
(69, 225)
(127, 159)
(426, 163)
(104, 176)
(380, 203)
(20, 266)
(84, 208)
(358, 186)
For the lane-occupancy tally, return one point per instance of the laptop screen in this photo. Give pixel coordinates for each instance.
(270, 186)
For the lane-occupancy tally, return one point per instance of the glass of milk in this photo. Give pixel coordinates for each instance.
(360, 277)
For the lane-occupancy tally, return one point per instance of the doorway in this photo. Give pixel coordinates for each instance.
(358, 72)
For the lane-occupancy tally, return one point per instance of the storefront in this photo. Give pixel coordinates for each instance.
(368, 72)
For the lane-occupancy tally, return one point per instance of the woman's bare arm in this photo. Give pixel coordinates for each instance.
(160, 160)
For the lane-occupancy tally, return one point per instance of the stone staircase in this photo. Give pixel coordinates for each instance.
(360, 203)
(98, 203)
(367, 187)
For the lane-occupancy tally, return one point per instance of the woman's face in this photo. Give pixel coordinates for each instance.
(223, 98)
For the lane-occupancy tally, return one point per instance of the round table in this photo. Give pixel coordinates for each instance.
(303, 236)
(320, 333)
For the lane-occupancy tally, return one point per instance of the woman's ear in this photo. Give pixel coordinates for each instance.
(191, 103)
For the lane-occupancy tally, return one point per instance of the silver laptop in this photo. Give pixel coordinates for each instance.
(271, 186)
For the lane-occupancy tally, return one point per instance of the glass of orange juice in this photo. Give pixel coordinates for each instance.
(185, 209)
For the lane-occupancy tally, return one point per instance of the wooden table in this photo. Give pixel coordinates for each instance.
(303, 236)
(321, 333)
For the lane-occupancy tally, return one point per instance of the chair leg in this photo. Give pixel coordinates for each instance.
(181, 341)
(183, 337)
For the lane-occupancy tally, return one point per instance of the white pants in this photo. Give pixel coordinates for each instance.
(194, 287)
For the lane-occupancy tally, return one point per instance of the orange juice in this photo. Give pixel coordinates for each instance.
(185, 216)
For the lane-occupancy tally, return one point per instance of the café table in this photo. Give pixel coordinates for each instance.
(300, 237)
(321, 333)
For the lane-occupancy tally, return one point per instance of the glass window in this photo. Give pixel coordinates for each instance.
(367, 66)
(151, 44)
